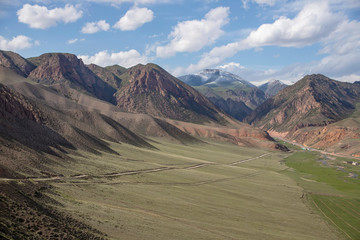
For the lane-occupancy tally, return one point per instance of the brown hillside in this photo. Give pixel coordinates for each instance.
(16, 63)
(313, 101)
(67, 69)
(90, 111)
(116, 70)
(240, 134)
(106, 75)
(150, 89)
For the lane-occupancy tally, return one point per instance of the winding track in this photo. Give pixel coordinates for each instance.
(132, 172)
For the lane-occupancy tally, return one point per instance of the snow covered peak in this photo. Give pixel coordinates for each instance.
(215, 77)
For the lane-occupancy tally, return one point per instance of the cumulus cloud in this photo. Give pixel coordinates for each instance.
(191, 36)
(41, 17)
(93, 27)
(16, 43)
(312, 24)
(123, 58)
(231, 66)
(134, 18)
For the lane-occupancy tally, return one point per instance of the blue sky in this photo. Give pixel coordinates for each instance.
(256, 39)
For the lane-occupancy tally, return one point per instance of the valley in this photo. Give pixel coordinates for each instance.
(90, 152)
(204, 191)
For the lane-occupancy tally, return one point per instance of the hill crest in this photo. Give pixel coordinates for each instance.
(315, 100)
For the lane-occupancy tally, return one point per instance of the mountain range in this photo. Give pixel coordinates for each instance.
(142, 99)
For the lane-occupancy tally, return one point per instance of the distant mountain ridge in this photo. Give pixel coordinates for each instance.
(272, 87)
(215, 78)
(229, 92)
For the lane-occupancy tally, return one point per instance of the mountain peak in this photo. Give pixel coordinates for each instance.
(215, 78)
(315, 100)
(272, 87)
(66, 68)
(152, 90)
(315, 78)
(16, 63)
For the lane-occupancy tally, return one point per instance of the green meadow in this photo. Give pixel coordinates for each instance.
(204, 191)
(332, 185)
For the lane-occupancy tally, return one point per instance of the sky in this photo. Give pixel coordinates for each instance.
(258, 40)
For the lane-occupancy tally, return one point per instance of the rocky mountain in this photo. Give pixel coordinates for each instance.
(315, 100)
(215, 78)
(67, 69)
(229, 92)
(16, 63)
(116, 70)
(236, 109)
(105, 74)
(272, 87)
(150, 89)
(147, 100)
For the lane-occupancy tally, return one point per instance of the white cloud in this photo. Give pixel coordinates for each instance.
(93, 27)
(344, 39)
(349, 78)
(75, 40)
(312, 24)
(134, 18)
(16, 43)
(191, 36)
(231, 67)
(125, 58)
(41, 17)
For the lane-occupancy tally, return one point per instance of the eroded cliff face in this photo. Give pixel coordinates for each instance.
(327, 136)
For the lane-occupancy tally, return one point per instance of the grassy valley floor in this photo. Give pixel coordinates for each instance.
(332, 185)
(204, 191)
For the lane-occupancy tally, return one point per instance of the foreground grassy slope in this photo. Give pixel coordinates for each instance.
(207, 191)
(333, 186)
